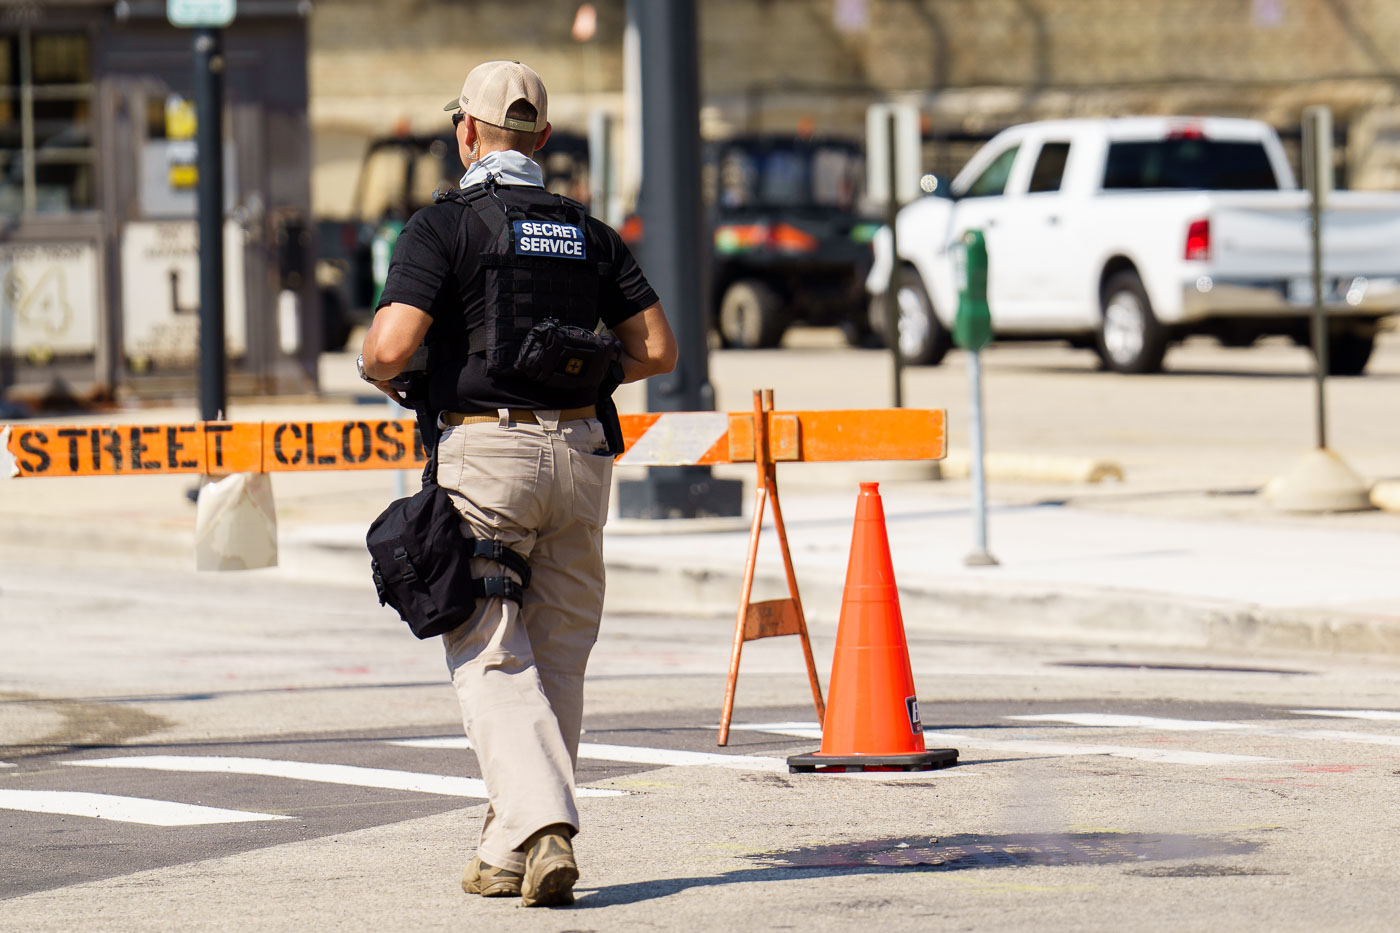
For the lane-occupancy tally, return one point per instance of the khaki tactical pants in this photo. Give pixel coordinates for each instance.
(542, 490)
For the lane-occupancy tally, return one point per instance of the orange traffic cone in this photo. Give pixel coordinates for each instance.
(872, 713)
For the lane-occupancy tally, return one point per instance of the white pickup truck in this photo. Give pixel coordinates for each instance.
(1125, 235)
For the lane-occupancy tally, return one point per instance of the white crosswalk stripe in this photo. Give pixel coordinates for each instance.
(1062, 743)
(125, 809)
(1108, 720)
(631, 754)
(1379, 715)
(810, 730)
(449, 785)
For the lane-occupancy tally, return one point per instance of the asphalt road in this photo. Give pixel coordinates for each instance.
(1098, 786)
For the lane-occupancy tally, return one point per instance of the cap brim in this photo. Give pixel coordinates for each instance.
(454, 104)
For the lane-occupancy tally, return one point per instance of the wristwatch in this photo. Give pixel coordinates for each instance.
(360, 368)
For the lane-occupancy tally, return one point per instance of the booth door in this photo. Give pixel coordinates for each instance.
(157, 238)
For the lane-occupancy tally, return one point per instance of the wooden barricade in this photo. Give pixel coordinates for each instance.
(763, 437)
(770, 617)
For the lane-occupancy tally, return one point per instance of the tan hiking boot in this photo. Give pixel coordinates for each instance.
(550, 869)
(488, 880)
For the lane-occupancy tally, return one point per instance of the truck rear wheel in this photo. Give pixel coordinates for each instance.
(751, 316)
(1130, 339)
(1347, 354)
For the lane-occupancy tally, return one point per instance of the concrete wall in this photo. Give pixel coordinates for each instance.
(974, 64)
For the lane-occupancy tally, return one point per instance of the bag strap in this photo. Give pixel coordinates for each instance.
(502, 587)
(498, 552)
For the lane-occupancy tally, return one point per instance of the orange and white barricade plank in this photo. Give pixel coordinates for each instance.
(656, 439)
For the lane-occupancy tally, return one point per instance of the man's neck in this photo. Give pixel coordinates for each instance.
(509, 166)
(486, 152)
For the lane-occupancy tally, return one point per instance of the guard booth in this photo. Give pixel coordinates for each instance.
(99, 274)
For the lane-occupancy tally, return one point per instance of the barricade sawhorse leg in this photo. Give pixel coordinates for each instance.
(772, 616)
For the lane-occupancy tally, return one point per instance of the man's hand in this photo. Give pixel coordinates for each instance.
(388, 389)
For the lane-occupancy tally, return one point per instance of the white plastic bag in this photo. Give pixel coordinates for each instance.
(235, 526)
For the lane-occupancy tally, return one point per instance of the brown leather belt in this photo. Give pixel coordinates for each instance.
(523, 415)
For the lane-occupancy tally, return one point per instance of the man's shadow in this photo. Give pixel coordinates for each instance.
(955, 853)
(639, 891)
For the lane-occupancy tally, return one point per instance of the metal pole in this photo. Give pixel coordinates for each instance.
(892, 293)
(675, 251)
(600, 165)
(209, 108)
(1317, 122)
(980, 556)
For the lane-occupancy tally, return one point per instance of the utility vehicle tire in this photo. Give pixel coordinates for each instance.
(751, 316)
(335, 321)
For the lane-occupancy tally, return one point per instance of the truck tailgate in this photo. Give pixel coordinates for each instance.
(1267, 235)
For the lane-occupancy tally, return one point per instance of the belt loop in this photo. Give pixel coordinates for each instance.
(505, 417)
(548, 419)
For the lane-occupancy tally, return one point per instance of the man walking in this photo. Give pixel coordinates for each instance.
(507, 283)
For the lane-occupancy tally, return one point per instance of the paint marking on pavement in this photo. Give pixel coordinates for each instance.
(1337, 735)
(1380, 715)
(1109, 720)
(1038, 747)
(633, 755)
(5, 764)
(125, 809)
(447, 785)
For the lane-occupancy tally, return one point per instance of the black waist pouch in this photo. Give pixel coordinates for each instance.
(420, 557)
(561, 356)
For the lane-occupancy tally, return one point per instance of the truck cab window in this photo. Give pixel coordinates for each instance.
(46, 114)
(1189, 163)
(1049, 167)
(993, 179)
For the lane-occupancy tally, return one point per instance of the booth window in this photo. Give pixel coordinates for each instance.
(47, 159)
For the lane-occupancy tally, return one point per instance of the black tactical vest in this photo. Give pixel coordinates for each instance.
(541, 292)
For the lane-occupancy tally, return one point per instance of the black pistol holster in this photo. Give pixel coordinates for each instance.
(607, 409)
(420, 556)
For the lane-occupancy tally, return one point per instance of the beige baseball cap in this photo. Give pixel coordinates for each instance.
(492, 87)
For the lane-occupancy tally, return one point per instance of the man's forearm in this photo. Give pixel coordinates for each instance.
(634, 370)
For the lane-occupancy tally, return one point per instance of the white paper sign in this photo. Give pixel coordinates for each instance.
(160, 292)
(48, 298)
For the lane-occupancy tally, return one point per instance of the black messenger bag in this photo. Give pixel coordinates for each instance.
(420, 556)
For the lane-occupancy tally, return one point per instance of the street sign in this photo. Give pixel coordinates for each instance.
(199, 13)
(908, 145)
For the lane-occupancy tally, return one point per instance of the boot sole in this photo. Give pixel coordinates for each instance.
(499, 889)
(554, 886)
(476, 883)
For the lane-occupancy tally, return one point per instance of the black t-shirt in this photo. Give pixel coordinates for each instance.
(436, 267)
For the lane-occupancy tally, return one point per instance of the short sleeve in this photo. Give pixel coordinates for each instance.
(626, 291)
(421, 262)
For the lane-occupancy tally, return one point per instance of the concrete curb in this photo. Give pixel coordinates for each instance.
(937, 606)
(1009, 610)
(1386, 495)
(1033, 468)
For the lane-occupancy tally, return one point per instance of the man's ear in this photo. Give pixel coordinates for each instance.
(466, 140)
(544, 135)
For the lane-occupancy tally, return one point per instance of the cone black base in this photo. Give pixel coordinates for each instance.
(930, 760)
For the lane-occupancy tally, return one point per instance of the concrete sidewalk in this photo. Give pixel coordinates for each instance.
(1090, 567)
